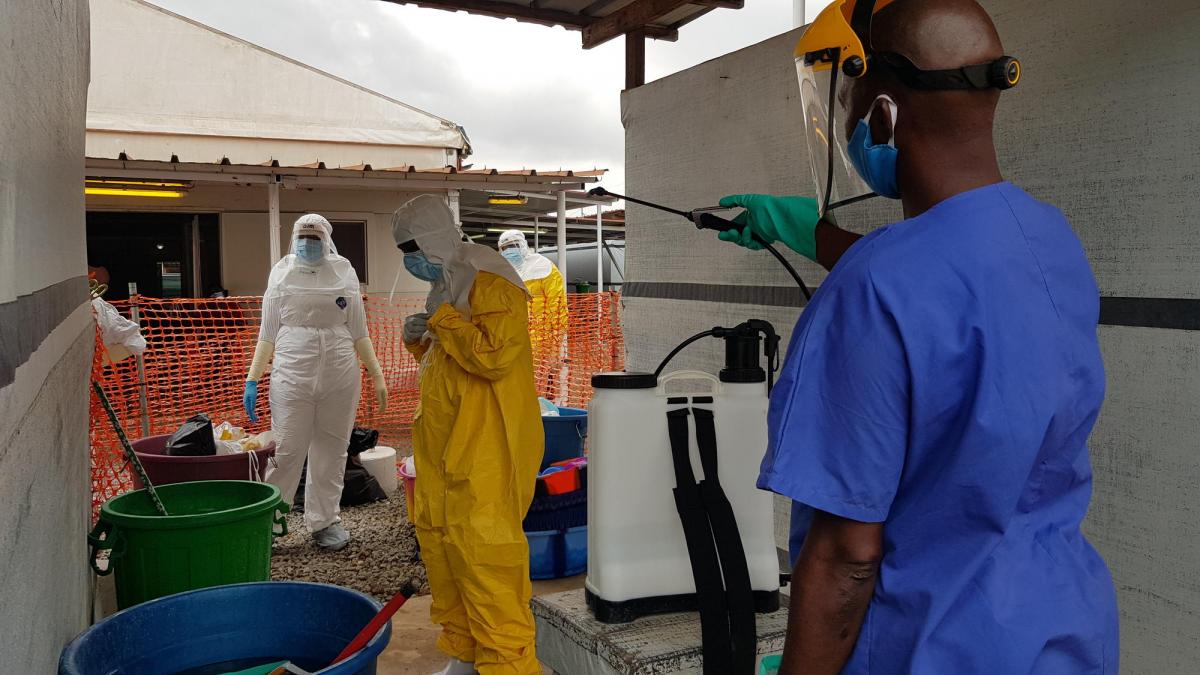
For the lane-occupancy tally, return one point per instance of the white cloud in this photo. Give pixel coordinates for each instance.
(528, 95)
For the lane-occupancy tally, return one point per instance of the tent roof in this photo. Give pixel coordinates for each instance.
(157, 72)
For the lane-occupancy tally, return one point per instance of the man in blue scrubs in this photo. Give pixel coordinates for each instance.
(932, 417)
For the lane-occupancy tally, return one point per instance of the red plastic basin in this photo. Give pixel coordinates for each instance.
(164, 469)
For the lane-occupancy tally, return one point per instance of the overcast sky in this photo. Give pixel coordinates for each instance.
(529, 96)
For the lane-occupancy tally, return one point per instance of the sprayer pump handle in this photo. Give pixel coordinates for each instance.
(707, 221)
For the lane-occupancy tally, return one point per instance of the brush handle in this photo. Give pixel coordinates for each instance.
(364, 636)
(129, 453)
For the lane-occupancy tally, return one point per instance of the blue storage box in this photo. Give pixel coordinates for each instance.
(557, 553)
(564, 435)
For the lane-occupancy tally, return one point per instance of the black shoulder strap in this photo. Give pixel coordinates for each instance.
(739, 594)
(706, 570)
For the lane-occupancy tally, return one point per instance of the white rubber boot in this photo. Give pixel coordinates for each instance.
(456, 667)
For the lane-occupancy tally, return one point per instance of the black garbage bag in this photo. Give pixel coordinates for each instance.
(359, 486)
(362, 439)
(193, 439)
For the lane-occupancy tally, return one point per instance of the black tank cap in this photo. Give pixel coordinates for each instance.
(624, 381)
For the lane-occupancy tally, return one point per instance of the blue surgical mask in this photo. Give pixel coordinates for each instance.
(875, 163)
(420, 267)
(310, 250)
(513, 255)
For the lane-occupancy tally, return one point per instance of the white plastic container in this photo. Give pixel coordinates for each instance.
(380, 462)
(637, 557)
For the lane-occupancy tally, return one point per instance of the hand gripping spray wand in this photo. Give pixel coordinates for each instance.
(707, 221)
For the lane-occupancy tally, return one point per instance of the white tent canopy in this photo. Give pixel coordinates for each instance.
(165, 85)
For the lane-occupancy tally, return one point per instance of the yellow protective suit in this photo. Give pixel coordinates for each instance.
(548, 317)
(547, 313)
(477, 439)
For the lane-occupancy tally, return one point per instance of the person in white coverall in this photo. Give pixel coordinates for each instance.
(313, 324)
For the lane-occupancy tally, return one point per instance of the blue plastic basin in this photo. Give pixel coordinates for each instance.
(564, 435)
(229, 628)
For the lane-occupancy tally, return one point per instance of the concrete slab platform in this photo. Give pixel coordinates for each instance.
(572, 642)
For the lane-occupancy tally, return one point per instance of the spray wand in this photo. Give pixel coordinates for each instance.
(707, 221)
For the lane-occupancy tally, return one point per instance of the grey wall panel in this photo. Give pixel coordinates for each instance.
(1145, 515)
(45, 499)
(1103, 125)
(47, 334)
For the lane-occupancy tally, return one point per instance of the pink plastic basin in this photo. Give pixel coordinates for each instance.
(164, 469)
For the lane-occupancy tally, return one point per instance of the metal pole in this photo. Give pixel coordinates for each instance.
(134, 314)
(536, 231)
(452, 202)
(798, 19)
(599, 250)
(565, 371)
(273, 211)
(562, 236)
(197, 291)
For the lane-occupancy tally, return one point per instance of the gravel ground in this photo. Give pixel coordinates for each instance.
(381, 557)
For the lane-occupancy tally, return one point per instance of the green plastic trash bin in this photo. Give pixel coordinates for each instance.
(219, 532)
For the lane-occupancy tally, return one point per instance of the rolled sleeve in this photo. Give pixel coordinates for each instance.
(839, 417)
(268, 330)
(356, 316)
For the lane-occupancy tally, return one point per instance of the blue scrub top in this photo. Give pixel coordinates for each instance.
(943, 382)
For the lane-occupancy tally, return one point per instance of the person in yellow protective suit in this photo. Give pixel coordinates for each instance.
(548, 317)
(477, 442)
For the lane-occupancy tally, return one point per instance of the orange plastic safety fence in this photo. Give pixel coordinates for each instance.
(198, 351)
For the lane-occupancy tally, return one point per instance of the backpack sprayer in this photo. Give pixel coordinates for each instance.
(660, 539)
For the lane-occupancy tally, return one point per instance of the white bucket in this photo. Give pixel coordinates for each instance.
(380, 462)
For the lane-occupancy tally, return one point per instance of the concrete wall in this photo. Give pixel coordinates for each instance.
(1104, 126)
(245, 246)
(46, 333)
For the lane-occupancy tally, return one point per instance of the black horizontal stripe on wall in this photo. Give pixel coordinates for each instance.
(767, 296)
(28, 320)
(1169, 313)
(1174, 313)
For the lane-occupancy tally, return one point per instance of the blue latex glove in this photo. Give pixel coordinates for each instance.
(250, 399)
(792, 220)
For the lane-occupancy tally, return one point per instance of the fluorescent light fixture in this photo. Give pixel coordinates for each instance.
(508, 200)
(523, 230)
(123, 192)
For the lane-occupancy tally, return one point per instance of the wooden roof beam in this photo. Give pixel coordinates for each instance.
(505, 10)
(640, 15)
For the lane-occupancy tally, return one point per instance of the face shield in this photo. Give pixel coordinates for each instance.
(426, 224)
(828, 54)
(312, 240)
(513, 247)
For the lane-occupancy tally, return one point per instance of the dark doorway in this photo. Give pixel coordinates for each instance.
(350, 238)
(168, 255)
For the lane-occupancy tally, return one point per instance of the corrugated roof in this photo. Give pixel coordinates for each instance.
(125, 166)
(599, 20)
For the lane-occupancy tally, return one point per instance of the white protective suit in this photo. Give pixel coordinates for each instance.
(313, 319)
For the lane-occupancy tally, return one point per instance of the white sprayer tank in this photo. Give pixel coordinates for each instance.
(637, 557)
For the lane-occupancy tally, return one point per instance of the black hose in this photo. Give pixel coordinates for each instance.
(685, 343)
(791, 270)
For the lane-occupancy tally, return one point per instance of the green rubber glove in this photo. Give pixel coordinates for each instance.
(792, 220)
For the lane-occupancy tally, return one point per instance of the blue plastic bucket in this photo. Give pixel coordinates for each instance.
(564, 435)
(229, 628)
